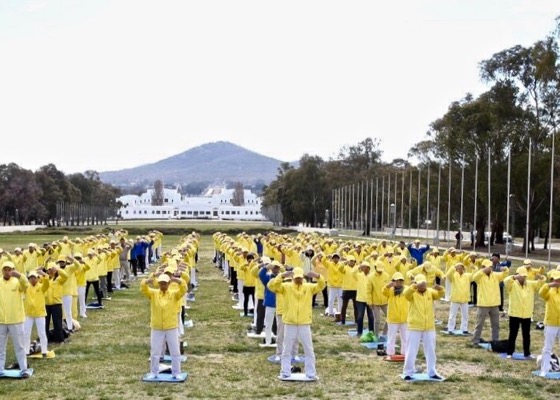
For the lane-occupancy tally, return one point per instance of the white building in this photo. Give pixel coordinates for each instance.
(214, 203)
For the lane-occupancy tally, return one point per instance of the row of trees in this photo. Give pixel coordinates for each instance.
(517, 117)
(35, 197)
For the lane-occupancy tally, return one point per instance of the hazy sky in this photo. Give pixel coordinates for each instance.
(106, 85)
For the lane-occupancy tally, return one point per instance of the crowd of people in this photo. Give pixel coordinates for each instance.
(397, 285)
(48, 285)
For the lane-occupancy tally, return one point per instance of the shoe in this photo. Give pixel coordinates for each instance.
(508, 356)
(284, 376)
(311, 378)
(176, 377)
(450, 333)
(466, 333)
(530, 357)
(408, 378)
(83, 316)
(437, 377)
(483, 341)
(151, 376)
(542, 374)
(25, 374)
(44, 355)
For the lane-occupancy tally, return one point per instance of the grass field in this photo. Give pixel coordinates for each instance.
(108, 357)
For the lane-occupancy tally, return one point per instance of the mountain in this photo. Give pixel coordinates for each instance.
(217, 161)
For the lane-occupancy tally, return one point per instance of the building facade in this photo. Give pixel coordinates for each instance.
(214, 203)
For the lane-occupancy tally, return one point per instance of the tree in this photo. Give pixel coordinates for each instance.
(157, 194)
(238, 198)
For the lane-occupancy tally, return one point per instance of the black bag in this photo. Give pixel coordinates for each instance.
(499, 346)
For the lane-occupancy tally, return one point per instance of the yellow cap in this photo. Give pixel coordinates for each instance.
(420, 278)
(522, 271)
(555, 274)
(397, 276)
(163, 278)
(298, 273)
(8, 264)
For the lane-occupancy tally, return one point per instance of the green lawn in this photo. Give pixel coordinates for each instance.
(107, 359)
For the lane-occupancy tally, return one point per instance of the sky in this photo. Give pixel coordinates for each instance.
(106, 85)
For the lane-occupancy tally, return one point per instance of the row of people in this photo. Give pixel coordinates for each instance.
(52, 289)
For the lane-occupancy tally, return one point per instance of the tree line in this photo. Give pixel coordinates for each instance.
(513, 123)
(50, 197)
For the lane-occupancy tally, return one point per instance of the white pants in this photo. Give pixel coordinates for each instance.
(193, 276)
(551, 333)
(82, 300)
(117, 277)
(447, 289)
(293, 334)
(464, 307)
(428, 339)
(269, 314)
(28, 326)
(280, 338)
(158, 340)
(334, 294)
(125, 270)
(240, 295)
(67, 308)
(16, 333)
(181, 327)
(393, 329)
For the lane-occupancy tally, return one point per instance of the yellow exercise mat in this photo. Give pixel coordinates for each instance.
(50, 354)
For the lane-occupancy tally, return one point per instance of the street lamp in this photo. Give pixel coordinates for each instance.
(512, 207)
(394, 220)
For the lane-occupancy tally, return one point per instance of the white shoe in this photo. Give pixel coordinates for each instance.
(543, 374)
(83, 316)
(151, 376)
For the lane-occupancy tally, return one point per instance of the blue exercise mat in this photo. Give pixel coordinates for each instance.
(295, 360)
(167, 358)
(517, 356)
(15, 373)
(166, 378)
(373, 345)
(249, 315)
(423, 378)
(347, 323)
(456, 332)
(486, 346)
(550, 375)
(354, 332)
(297, 377)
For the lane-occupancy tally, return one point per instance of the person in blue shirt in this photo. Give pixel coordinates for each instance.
(139, 249)
(417, 252)
(268, 272)
(497, 267)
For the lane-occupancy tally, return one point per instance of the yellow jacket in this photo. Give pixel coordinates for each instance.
(30, 260)
(397, 308)
(374, 288)
(249, 279)
(296, 299)
(91, 273)
(259, 288)
(460, 286)
(362, 280)
(69, 287)
(421, 311)
(489, 287)
(81, 273)
(521, 298)
(164, 306)
(102, 264)
(551, 296)
(35, 298)
(11, 299)
(333, 273)
(53, 295)
(349, 281)
(430, 276)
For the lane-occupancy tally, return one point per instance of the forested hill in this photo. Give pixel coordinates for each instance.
(222, 161)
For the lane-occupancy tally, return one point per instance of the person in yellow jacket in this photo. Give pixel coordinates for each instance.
(521, 292)
(550, 293)
(12, 315)
(334, 284)
(432, 274)
(70, 266)
(472, 264)
(81, 283)
(30, 257)
(349, 287)
(362, 274)
(297, 317)
(533, 271)
(451, 257)
(53, 302)
(249, 283)
(397, 313)
(489, 299)
(460, 294)
(375, 297)
(35, 311)
(164, 303)
(421, 325)
(92, 275)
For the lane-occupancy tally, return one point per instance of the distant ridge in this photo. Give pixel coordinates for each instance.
(209, 162)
